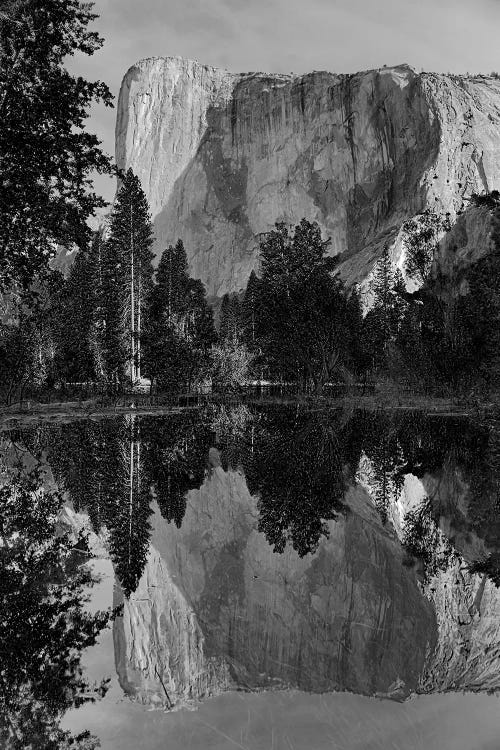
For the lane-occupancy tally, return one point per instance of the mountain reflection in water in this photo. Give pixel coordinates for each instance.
(288, 548)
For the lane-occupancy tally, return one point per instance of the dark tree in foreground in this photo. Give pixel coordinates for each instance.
(47, 156)
(45, 625)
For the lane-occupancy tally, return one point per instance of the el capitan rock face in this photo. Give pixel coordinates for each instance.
(216, 609)
(221, 157)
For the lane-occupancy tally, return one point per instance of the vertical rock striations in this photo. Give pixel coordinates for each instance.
(216, 608)
(222, 157)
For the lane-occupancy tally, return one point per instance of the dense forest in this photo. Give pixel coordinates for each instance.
(117, 323)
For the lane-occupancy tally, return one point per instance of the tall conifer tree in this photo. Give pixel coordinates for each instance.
(128, 275)
(180, 327)
(249, 311)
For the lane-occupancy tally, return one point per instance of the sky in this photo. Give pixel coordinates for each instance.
(283, 36)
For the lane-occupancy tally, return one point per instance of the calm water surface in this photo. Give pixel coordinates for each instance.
(281, 578)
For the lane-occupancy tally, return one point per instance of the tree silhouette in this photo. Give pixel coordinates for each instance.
(45, 625)
(101, 467)
(47, 155)
(127, 277)
(250, 311)
(299, 472)
(303, 312)
(180, 328)
(176, 459)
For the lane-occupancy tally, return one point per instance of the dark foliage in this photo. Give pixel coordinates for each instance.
(47, 156)
(45, 625)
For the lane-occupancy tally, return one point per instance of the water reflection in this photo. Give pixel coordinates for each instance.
(44, 624)
(286, 547)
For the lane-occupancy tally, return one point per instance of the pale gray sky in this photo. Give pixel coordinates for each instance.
(298, 36)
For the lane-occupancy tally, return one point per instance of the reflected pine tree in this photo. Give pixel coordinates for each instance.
(129, 507)
(176, 452)
(44, 626)
(113, 468)
(100, 465)
(382, 447)
(423, 539)
(299, 469)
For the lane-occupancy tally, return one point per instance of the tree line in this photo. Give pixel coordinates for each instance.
(114, 320)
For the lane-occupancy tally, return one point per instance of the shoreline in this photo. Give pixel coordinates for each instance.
(13, 416)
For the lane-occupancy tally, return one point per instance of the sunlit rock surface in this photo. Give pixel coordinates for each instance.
(216, 608)
(221, 157)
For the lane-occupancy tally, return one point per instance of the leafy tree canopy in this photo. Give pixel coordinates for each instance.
(47, 156)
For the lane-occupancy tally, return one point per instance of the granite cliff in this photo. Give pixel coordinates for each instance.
(221, 157)
(466, 655)
(216, 609)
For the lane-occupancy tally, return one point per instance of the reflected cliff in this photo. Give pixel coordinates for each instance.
(282, 547)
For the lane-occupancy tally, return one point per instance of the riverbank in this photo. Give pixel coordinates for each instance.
(30, 413)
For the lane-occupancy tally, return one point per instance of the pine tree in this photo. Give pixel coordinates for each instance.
(225, 317)
(302, 321)
(382, 321)
(168, 297)
(250, 311)
(180, 328)
(115, 335)
(75, 357)
(129, 528)
(128, 275)
(95, 272)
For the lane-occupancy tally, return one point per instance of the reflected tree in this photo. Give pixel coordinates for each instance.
(101, 467)
(382, 448)
(299, 470)
(423, 539)
(176, 459)
(45, 625)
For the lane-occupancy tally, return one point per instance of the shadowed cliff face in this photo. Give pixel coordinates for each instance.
(467, 605)
(216, 608)
(221, 157)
